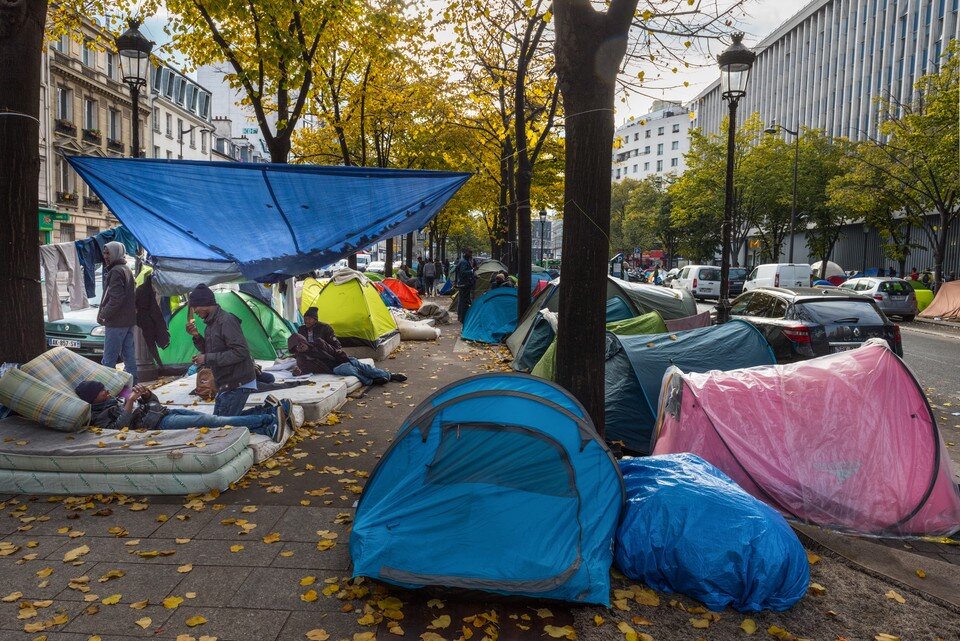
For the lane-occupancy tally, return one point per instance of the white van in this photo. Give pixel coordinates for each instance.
(362, 261)
(702, 281)
(779, 275)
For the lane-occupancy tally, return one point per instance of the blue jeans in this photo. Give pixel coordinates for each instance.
(366, 373)
(231, 403)
(117, 343)
(264, 422)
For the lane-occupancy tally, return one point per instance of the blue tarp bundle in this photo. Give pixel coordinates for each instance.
(270, 220)
(689, 528)
(492, 317)
(635, 366)
(497, 482)
(388, 297)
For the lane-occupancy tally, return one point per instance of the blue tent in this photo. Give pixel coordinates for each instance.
(388, 297)
(635, 366)
(447, 288)
(497, 482)
(492, 317)
(269, 220)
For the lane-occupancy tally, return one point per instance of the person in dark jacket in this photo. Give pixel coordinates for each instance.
(464, 279)
(142, 410)
(313, 330)
(321, 357)
(150, 319)
(223, 348)
(118, 310)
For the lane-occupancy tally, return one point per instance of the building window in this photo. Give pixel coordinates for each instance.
(180, 129)
(156, 151)
(64, 175)
(169, 155)
(156, 119)
(675, 145)
(204, 104)
(646, 150)
(90, 120)
(63, 44)
(92, 231)
(660, 149)
(181, 90)
(646, 134)
(88, 55)
(114, 132)
(193, 137)
(659, 131)
(634, 169)
(646, 166)
(67, 233)
(659, 165)
(111, 65)
(673, 162)
(636, 136)
(167, 83)
(676, 127)
(203, 142)
(169, 126)
(64, 103)
(157, 78)
(618, 174)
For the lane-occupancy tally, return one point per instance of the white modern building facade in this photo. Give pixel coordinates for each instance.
(652, 145)
(243, 140)
(181, 126)
(824, 67)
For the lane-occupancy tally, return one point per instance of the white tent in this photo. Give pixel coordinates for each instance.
(833, 269)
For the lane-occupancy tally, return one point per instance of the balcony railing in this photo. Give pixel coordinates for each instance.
(92, 135)
(92, 201)
(115, 145)
(67, 197)
(65, 127)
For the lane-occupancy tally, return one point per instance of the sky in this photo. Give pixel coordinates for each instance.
(760, 19)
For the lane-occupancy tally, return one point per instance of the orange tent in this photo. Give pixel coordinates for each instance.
(408, 296)
(946, 304)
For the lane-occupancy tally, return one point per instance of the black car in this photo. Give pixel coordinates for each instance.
(805, 322)
(738, 276)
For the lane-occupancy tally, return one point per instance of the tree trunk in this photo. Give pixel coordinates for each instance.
(524, 242)
(906, 250)
(589, 47)
(388, 265)
(940, 250)
(21, 44)
(410, 249)
(279, 148)
(352, 261)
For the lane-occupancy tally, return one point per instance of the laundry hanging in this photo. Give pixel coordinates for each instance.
(62, 257)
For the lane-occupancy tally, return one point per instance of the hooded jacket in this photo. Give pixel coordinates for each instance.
(118, 307)
(111, 414)
(321, 358)
(226, 351)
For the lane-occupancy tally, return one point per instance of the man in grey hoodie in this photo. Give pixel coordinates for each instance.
(118, 310)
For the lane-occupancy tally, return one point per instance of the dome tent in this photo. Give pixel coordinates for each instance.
(523, 501)
(407, 295)
(946, 304)
(492, 316)
(352, 306)
(805, 439)
(923, 293)
(265, 330)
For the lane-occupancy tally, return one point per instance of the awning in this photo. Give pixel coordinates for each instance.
(271, 220)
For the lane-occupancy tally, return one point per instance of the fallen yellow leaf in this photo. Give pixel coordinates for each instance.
(45, 572)
(366, 636)
(183, 569)
(144, 622)
(883, 636)
(893, 595)
(113, 599)
(700, 623)
(172, 602)
(426, 636)
(273, 537)
(566, 632)
(440, 623)
(309, 596)
(193, 622)
(139, 605)
(236, 548)
(921, 574)
(308, 580)
(13, 596)
(75, 553)
(597, 620)
(749, 626)
(812, 558)
(817, 589)
(317, 634)
(544, 613)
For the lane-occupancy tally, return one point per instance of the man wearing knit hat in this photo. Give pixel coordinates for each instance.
(223, 348)
(118, 310)
(314, 330)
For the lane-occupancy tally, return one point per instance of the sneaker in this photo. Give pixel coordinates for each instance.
(281, 428)
(398, 378)
(381, 381)
(271, 400)
(287, 406)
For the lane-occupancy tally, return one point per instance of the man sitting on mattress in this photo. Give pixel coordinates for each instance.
(142, 410)
(321, 357)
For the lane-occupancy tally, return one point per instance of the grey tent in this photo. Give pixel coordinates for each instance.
(624, 300)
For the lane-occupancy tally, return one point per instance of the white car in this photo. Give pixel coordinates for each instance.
(779, 275)
(702, 281)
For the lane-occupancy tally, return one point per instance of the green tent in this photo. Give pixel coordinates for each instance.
(265, 330)
(374, 276)
(651, 323)
(924, 294)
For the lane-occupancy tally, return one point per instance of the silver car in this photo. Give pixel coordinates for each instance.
(894, 296)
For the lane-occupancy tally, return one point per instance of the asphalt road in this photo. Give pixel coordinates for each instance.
(934, 357)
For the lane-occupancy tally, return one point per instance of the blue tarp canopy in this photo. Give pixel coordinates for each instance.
(635, 366)
(270, 220)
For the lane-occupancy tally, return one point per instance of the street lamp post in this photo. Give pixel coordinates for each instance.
(182, 132)
(773, 129)
(543, 224)
(134, 50)
(735, 62)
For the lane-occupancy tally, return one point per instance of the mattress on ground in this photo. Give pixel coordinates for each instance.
(161, 483)
(28, 447)
(376, 353)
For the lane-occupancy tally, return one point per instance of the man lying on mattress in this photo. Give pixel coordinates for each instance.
(142, 410)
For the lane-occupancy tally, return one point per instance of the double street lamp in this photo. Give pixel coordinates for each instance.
(735, 63)
(772, 130)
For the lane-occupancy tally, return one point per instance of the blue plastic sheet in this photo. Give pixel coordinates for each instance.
(272, 220)
(689, 528)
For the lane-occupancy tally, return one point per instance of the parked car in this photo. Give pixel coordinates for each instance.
(78, 331)
(327, 272)
(805, 322)
(671, 276)
(702, 281)
(738, 276)
(779, 275)
(894, 296)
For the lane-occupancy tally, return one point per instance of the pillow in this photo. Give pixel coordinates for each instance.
(35, 400)
(64, 370)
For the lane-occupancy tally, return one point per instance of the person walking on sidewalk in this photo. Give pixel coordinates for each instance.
(118, 310)
(464, 279)
(223, 348)
(429, 277)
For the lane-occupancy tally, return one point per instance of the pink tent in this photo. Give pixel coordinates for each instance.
(846, 441)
